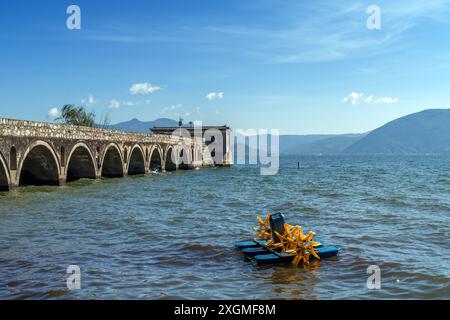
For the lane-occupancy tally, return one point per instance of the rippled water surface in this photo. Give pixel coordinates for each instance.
(171, 235)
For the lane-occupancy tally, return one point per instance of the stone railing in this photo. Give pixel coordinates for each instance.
(33, 129)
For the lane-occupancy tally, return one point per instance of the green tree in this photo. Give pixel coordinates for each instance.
(76, 116)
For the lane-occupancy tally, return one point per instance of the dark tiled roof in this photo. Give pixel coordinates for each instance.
(190, 127)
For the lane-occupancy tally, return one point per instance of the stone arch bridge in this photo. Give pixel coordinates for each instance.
(37, 153)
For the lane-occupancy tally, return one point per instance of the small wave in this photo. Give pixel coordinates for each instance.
(438, 206)
(13, 284)
(210, 196)
(333, 194)
(310, 190)
(391, 201)
(235, 203)
(197, 247)
(307, 209)
(54, 294)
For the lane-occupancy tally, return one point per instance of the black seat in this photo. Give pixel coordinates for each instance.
(277, 224)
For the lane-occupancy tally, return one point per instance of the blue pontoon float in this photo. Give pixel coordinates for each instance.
(266, 251)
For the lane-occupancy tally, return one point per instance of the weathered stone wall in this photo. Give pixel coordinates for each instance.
(22, 128)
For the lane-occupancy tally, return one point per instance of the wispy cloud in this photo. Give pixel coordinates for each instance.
(367, 70)
(331, 31)
(382, 100)
(175, 111)
(114, 104)
(171, 108)
(90, 101)
(53, 113)
(355, 98)
(299, 32)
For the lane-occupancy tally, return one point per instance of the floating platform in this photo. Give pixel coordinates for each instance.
(257, 250)
(253, 249)
(282, 257)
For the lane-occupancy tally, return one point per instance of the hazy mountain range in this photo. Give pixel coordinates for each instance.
(317, 144)
(424, 132)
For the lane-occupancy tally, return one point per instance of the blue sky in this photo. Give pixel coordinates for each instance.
(298, 66)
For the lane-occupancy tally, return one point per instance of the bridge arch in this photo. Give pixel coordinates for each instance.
(5, 181)
(136, 161)
(80, 163)
(185, 158)
(112, 162)
(170, 164)
(156, 159)
(39, 165)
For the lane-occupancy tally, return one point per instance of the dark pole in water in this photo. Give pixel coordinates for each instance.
(298, 165)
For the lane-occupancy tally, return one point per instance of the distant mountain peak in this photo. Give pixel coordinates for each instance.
(136, 125)
(427, 131)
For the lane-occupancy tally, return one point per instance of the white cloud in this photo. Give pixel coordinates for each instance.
(90, 101)
(369, 99)
(214, 96)
(143, 88)
(53, 113)
(387, 100)
(130, 103)
(148, 101)
(382, 100)
(171, 108)
(114, 104)
(353, 98)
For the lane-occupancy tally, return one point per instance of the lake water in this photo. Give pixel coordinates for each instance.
(171, 236)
